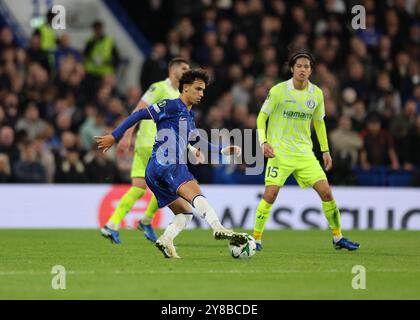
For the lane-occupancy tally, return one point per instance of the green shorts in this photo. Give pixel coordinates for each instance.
(140, 160)
(306, 170)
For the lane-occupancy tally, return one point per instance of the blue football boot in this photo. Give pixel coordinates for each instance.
(112, 235)
(346, 244)
(259, 246)
(148, 231)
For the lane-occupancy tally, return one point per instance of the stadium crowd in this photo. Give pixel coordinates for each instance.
(53, 100)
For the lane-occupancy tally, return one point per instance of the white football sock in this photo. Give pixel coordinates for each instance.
(206, 212)
(179, 222)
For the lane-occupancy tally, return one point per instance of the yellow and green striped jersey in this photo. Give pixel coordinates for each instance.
(290, 114)
(156, 92)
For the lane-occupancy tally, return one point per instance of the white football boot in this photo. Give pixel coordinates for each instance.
(166, 246)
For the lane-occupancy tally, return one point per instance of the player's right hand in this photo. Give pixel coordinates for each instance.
(267, 150)
(105, 142)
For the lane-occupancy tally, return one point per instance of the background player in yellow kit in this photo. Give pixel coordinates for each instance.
(166, 89)
(290, 107)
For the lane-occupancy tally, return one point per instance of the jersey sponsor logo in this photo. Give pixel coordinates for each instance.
(296, 115)
(310, 104)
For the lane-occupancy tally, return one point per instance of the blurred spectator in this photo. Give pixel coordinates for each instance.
(99, 168)
(93, 126)
(3, 119)
(28, 168)
(378, 147)
(416, 97)
(100, 53)
(345, 142)
(400, 127)
(65, 50)
(385, 98)
(132, 98)
(358, 115)
(47, 33)
(45, 157)
(414, 144)
(36, 54)
(241, 91)
(71, 168)
(370, 36)
(6, 39)
(331, 114)
(115, 111)
(202, 53)
(8, 144)
(31, 122)
(5, 172)
(355, 80)
(68, 140)
(154, 67)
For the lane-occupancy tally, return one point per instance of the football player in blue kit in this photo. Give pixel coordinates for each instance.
(167, 173)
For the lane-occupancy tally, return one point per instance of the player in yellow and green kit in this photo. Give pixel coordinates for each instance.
(166, 89)
(290, 108)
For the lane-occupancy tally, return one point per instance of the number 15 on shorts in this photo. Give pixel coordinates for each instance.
(272, 172)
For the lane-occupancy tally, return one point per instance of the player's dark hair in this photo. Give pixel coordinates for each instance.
(192, 75)
(176, 61)
(302, 54)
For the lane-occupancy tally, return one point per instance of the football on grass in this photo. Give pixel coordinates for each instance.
(243, 251)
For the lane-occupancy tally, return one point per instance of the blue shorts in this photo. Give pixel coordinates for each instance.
(164, 180)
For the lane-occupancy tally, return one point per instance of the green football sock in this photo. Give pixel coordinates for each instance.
(125, 205)
(151, 210)
(333, 216)
(261, 217)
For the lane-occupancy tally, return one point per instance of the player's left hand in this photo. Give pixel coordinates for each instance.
(232, 150)
(199, 156)
(105, 142)
(327, 161)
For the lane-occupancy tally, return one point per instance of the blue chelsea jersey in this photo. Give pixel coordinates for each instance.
(175, 128)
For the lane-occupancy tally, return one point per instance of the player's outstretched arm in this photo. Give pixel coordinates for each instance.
(130, 121)
(125, 141)
(266, 148)
(321, 133)
(106, 142)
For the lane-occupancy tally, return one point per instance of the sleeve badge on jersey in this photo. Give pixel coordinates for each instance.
(161, 104)
(310, 104)
(156, 107)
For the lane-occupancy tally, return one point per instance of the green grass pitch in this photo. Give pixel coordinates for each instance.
(293, 265)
